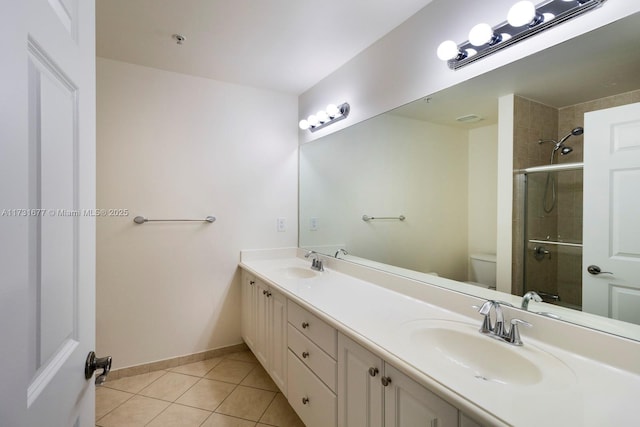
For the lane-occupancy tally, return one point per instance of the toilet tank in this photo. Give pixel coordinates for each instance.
(483, 268)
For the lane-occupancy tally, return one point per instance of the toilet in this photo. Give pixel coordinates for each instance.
(483, 270)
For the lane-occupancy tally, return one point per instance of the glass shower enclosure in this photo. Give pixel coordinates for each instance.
(553, 233)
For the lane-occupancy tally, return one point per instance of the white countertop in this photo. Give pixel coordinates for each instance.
(575, 390)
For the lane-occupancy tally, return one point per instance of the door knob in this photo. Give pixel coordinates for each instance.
(595, 270)
(94, 363)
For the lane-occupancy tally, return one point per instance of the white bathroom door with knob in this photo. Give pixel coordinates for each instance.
(47, 188)
(612, 213)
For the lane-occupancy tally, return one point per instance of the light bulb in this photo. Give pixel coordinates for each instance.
(548, 16)
(313, 120)
(322, 116)
(481, 34)
(332, 110)
(304, 125)
(448, 50)
(521, 13)
(470, 52)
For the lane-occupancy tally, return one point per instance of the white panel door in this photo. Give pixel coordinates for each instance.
(612, 213)
(48, 178)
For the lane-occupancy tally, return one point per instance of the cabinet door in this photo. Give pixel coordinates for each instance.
(408, 404)
(277, 339)
(248, 290)
(262, 325)
(467, 422)
(360, 392)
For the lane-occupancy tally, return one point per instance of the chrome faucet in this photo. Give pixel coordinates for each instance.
(497, 329)
(316, 262)
(340, 251)
(531, 295)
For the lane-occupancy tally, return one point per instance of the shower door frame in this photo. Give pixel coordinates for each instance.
(525, 172)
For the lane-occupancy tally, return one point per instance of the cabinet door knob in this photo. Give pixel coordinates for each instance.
(305, 354)
(385, 381)
(268, 293)
(305, 400)
(252, 282)
(264, 292)
(305, 325)
(373, 371)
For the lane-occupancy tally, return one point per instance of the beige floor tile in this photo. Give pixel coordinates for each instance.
(206, 394)
(246, 402)
(219, 420)
(108, 399)
(231, 371)
(178, 415)
(259, 378)
(137, 411)
(198, 369)
(135, 383)
(169, 387)
(280, 413)
(243, 356)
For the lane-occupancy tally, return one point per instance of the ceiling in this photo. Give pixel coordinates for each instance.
(282, 45)
(598, 64)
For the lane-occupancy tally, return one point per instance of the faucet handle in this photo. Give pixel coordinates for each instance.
(514, 332)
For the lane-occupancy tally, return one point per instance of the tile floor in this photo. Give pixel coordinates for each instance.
(229, 391)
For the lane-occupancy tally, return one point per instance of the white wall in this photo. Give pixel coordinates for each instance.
(388, 166)
(483, 189)
(177, 146)
(403, 66)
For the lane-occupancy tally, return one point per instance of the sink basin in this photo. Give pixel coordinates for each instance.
(458, 349)
(299, 272)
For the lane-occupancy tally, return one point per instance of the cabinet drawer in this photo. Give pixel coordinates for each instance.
(320, 405)
(313, 328)
(312, 356)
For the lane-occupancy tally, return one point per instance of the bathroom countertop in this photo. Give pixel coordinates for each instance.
(585, 392)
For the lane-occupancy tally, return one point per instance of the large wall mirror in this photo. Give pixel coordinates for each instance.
(414, 191)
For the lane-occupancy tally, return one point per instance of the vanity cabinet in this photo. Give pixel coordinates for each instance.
(264, 327)
(373, 393)
(312, 367)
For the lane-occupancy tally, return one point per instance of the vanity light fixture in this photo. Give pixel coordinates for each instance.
(524, 20)
(322, 118)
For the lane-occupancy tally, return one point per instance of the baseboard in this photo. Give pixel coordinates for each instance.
(175, 361)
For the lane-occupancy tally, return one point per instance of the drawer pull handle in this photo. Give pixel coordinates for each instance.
(305, 354)
(305, 400)
(385, 381)
(373, 371)
(305, 325)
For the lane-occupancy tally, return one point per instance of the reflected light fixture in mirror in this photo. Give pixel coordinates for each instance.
(322, 118)
(524, 20)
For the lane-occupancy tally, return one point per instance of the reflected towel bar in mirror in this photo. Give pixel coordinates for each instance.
(368, 218)
(142, 220)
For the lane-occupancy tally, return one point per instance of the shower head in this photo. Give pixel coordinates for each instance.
(566, 150)
(574, 131)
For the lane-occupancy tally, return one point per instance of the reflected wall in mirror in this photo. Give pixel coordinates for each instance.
(440, 173)
(395, 165)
